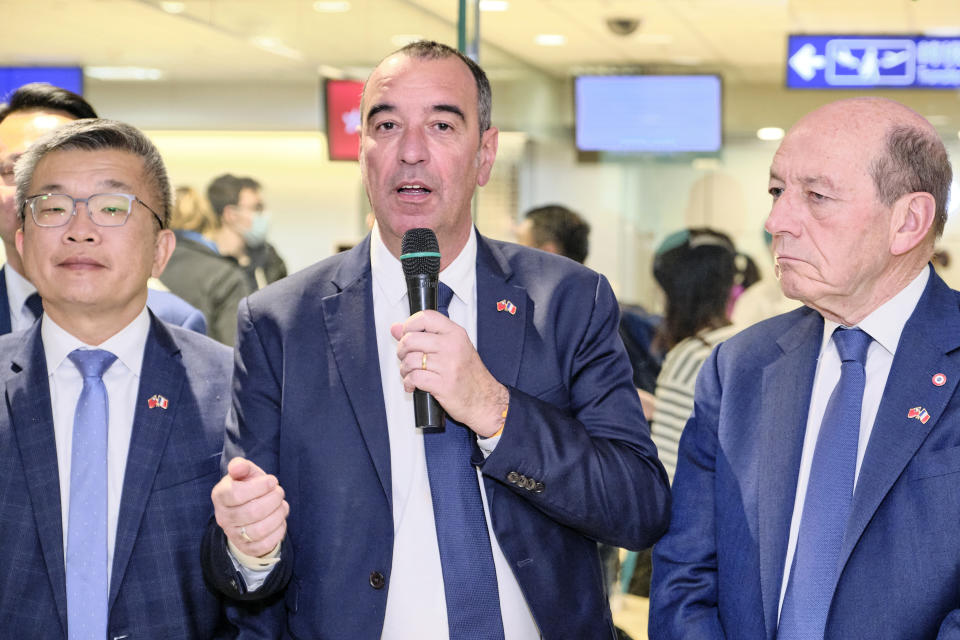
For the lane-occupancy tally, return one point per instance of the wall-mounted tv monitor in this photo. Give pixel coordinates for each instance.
(12, 78)
(342, 102)
(649, 114)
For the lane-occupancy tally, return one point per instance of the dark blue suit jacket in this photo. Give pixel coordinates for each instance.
(310, 409)
(167, 306)
(717, 573)
(157, 589)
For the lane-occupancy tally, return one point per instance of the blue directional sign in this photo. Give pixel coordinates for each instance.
(870, 62)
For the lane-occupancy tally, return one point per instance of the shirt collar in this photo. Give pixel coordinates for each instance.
(18, 288)
(127, 344)
(886, 322)
(387, 271)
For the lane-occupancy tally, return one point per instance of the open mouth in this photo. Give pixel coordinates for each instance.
(413, 189)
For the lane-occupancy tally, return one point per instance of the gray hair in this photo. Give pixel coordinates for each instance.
(914, 161)
(97, 135)
(431, 50)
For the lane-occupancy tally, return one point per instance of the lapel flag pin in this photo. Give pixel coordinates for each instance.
(919, 413)
(158, 401)
(506, 305)
(939, 379)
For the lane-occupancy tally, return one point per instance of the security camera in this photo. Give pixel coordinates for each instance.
(623, 26)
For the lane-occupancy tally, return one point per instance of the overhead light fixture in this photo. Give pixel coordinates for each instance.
(550, 40)
(331, 6)
(770, 134)
(327, 71)
(173, 7)
(123, 73)
(275, 46)
(494, 5)
(403, 39)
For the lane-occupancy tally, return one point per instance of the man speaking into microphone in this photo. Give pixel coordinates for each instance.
(488, 527)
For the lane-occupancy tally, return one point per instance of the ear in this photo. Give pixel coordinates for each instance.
(18, 241)
(229, 213)
(164, 245)
(911, 222)
(486, 154)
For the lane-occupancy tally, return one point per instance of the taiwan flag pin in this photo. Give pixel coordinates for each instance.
(506, 305)
(939, 379)
(158, 401)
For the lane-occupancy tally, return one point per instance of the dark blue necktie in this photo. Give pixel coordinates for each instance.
(469, 575)
(35, 304)
(86, 564)
(826, 506)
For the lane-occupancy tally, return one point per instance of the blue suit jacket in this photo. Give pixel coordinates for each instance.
(157, 589)
(310, 409)
(167, 306)
(718, 571)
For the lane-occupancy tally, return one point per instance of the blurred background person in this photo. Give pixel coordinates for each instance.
(196, 270)
(242, 226)
(696, 270)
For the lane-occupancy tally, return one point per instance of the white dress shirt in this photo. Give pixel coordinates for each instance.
(416, 605)
(18, 290)
(884, 324)
(122, 380)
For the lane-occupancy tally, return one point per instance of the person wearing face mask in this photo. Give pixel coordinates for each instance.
(242, 233)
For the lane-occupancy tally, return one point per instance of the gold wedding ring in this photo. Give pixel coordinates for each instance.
(423, 362)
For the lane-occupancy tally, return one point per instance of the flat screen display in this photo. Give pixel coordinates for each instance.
(342, 101)
(12, 78)
(652, 114)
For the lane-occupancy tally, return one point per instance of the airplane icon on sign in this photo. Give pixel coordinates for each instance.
(858, 62)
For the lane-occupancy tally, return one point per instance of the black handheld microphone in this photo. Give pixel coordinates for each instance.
(420, 257)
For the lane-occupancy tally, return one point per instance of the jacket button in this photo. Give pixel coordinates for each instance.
(377, 581)
(529, 483)
(539, 487)
(513, 477)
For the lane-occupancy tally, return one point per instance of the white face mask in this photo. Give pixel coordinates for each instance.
(256, 235)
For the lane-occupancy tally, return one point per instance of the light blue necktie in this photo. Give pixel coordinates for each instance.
(469, 575)
(87, 530)
(826, 506)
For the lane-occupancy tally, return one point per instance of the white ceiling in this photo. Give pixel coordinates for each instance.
(745, 40)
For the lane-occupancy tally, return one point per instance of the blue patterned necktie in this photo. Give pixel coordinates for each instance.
(469, 575)
(87, 531)
(35, 304)
(826, 506)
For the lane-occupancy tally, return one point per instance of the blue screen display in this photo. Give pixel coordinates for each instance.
(12, 78)
(657, 114)
(873, 62)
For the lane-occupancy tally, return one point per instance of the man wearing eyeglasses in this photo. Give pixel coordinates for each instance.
(34, 110)
(111, 423)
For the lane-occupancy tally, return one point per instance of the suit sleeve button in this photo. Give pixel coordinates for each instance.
(377, 581)
(513, 477)
(539, 487)
(529, 483)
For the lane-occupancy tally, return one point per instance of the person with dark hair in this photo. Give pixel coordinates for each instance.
(556, 229)
(816, 492)
(112, 424)
(487, 528)
(241, 230)
(33, 111)
(695, 268)
(198, 273)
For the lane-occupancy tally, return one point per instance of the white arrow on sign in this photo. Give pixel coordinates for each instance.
(806, 62)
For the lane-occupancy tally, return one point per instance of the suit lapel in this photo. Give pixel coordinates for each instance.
(925, 349)
(786, 388)
(28, 400)
(161, 373)
(6, 325)
(500, 326)
(354, 347)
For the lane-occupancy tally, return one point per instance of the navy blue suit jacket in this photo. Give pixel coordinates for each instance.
(309, 408)
(167, 306)
(718, 571)
(157, 588)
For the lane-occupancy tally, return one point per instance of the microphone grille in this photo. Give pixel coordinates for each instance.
(420, 252)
